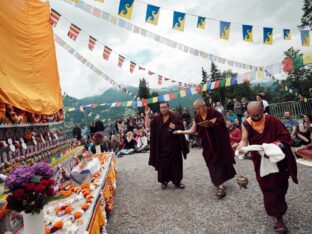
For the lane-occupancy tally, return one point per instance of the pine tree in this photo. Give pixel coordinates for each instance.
(214, 73)
(205, 94)
(306, 19)
(144, 92)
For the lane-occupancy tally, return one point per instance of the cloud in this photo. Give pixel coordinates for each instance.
(79, 81)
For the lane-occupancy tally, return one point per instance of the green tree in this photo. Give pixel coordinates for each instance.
(144, 92)
(306, 19)
(299, 78)
(205, 94)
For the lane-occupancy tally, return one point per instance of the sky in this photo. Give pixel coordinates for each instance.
(78, 81)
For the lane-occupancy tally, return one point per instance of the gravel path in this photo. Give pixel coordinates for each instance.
(141, 206)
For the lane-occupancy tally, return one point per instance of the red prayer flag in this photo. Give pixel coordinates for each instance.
(107, 52)
(92, 42)
(73, 32)
(287, 64)
(120, 60)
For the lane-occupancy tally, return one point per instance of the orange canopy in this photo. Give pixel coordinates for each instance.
(29, 77)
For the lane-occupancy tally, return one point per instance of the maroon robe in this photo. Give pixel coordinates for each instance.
(217, 150)
(166, 149)
(273, 186)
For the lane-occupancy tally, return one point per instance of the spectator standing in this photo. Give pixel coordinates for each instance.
(99, 127)
(266, 106)
(220, 108)
(77, 132)
(244, 103)
(110, 127)
(230, 105)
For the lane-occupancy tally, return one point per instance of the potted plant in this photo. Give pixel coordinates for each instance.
(30, 188)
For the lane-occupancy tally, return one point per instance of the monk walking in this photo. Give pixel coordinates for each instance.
(166, 149)
(217, 150)
(259, 129)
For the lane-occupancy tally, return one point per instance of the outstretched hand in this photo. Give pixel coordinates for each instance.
(178, 132)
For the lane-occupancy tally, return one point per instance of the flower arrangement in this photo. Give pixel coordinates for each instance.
(30, 187)
(98, 138)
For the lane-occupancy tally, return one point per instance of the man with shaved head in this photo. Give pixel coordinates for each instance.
(259, 129)
(217, 150)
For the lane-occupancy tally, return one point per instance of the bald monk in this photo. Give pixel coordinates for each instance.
(217, 150)
(166, 149)
(259, 129)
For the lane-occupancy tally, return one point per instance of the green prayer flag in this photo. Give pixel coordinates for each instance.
(298, 61)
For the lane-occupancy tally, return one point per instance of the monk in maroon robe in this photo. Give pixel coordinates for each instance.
(217, 150)
(259, 129)
(166, 149)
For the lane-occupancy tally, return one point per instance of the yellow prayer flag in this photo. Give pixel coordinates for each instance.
(259, 75)
(155, 99)
(204, 87)
(307, 57)
(182, 93)
(228, 82)
(129, 103)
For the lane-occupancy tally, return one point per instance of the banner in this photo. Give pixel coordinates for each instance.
(107, 52)
(92, 42)
(225, 30)
(268, 36)
(125, 8)
(55, 16)
(248, 33)
(178, 21)
(160, 39)
(73, 32)
(286, 33)
(152, 14)
(305, 37)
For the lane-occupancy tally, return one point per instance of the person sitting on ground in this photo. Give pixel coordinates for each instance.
(235, 134)
(305, 151)
(107, 146)
(291, 126)
(129, 145)
(238, 123)
(142, 143)
(231, 116)
(114, 143)
(304, 130)
(246, 115)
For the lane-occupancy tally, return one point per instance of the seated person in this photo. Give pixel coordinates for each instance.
(305, 151)
(235, 134)
(129, 145)
(114, 143)
(304, 130)
(231, 116)
(291, 125)
(107, 146)
(142, 143)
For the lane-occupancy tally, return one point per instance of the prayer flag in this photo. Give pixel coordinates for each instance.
(125, 8)
(298, 61)
(248, 33)
(287, 35)
(152, 14)
(160, 80)
(54, 18)
(73, 32)
(201, 22)
(225, 30)
(120, 60)
(132, 66)
(234, 80)
(222, 83)
(107, 52)
(155, 99)
(182, 93)
(217, 84)
(141, 68)
(92, 42)
(268, 36)
(228, 82)
(150, 73)
(307, 57)
(287, 64)
(129, 103)
(305, 37)
(178, 20)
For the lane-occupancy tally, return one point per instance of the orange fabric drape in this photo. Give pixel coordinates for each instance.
(29, 77)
